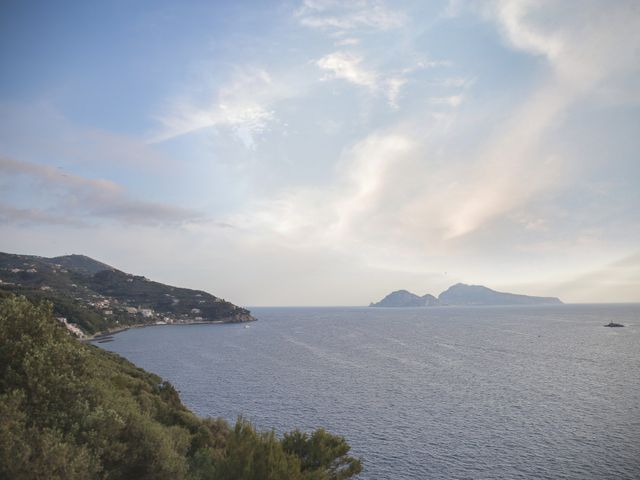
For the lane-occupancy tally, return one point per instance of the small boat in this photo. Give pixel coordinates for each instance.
(246, 326)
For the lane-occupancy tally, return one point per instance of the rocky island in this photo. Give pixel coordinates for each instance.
(90, 297)
(462, 294)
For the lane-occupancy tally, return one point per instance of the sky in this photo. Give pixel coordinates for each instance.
(325, 152)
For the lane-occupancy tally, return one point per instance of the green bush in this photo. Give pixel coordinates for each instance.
(73, 411)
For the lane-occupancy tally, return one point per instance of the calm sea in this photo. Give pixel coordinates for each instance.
(434, 393)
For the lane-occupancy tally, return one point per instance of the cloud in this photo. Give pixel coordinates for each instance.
(346, 42)
(618, 281)
(39, 130)
(589, 44)
(244, 104)
(350, 67)
(479, 183)
(347, 66)
(342, 17)
(450, 101)
(582, 54)
(72, 199)
(332, 216)
(34, 216)
(398, 189)
(393, 90)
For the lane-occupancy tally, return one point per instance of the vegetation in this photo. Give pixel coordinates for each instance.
(72, 411)
(96, 297)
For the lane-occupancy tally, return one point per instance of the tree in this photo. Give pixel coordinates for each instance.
(322, 453)
(74, 411)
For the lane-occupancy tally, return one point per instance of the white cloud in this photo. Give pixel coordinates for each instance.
(347, 66)
(455, 82)
(450, 101)
(326, 216)
(245, 105)
(352, 68)
(585, 42)
(391, 192)
(582, 54)
(337, 16)
(346, 42)
(513, 19)
(477, 191)
(393, 90)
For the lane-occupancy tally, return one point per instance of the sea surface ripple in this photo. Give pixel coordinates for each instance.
(433, 393)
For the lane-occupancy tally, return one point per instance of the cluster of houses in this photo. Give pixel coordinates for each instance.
(31, 268)
(111, 307)
(72, 327)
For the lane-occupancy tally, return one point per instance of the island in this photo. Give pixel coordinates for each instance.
(90, 297)
(462, 294)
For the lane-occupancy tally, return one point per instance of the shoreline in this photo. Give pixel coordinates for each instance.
(107, 334)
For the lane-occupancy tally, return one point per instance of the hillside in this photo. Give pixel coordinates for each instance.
(78, 263)
(461, 294)
(96, 297)
(400, 298)
(72, 411)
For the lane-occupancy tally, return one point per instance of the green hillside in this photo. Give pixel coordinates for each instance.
(72, 411)
(96, 297)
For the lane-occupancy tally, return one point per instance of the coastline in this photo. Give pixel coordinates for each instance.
(105, 335)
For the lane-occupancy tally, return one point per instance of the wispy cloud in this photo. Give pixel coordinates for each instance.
(42, 130)
(581, 47)
(330, 216)
(244, 104)
(394, 85)
(346, 42)
(349, 67)
(576, 52)
(35, 216)
(352, 68)
(342, 17)
(345, 21)
(72, 199)
(619, 279)
(375, 141)
(422, 203)
(450, 101)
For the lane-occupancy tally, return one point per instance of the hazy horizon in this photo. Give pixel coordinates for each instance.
(326, 153)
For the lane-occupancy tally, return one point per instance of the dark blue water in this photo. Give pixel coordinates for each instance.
(450, 392)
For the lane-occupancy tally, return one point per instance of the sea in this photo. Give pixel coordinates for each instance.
(535, 392)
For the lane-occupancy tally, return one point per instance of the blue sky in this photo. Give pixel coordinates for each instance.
(323, 153)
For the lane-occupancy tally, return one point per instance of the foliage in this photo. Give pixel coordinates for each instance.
(322, 455)
(76, 285)
(73, 411)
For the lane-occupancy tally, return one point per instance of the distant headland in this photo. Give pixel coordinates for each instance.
(91, 297)
(462, 294)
